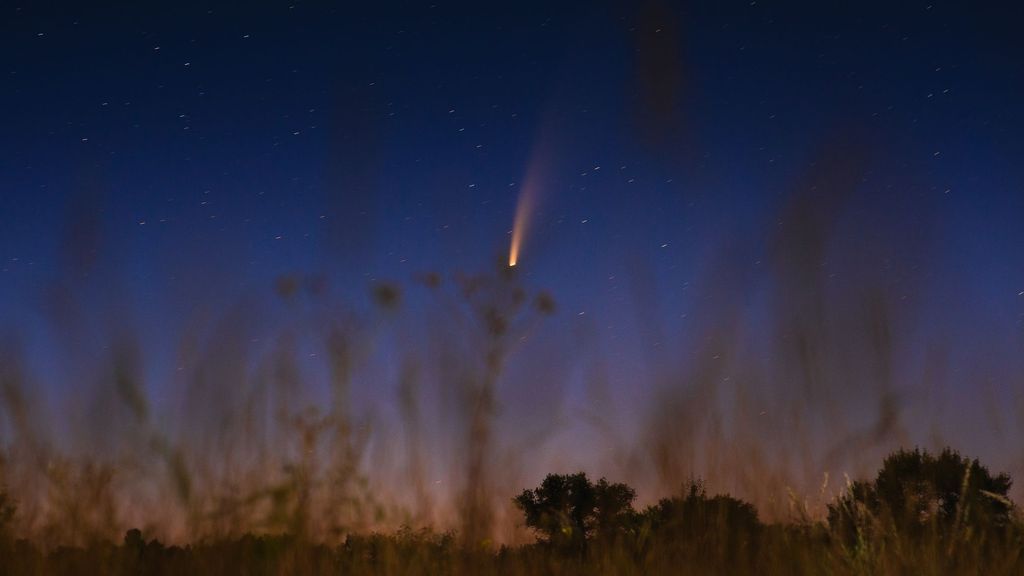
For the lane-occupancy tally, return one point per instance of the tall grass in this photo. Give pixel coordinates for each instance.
(301, 428)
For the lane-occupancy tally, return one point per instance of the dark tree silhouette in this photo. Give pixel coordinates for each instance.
(567, 510)
(133, 539)
(723, 528)
(7, 509)
(917, 493)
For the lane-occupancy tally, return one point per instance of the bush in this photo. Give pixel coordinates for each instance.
(916, 493)
(568, 510)
(720, 530)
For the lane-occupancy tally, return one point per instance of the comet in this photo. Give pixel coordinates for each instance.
(524, 204)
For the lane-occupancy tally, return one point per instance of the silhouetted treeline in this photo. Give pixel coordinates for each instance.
(922, 514)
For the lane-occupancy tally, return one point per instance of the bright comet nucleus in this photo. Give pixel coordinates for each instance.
(523, 205)
(527, 200)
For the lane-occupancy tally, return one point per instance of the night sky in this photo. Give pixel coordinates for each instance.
(822, 200)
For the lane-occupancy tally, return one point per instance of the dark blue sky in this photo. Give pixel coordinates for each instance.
(690, 157)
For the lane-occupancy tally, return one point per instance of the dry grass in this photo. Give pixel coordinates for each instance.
(263, 452)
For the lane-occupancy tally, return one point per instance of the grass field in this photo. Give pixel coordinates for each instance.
(278, 473)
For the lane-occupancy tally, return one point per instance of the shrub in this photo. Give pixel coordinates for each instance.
(720, 529)
(568, 510)
(916, 491)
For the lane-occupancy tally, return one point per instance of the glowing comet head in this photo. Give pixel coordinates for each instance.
(528, 195)
(513, 249)
(523, 208)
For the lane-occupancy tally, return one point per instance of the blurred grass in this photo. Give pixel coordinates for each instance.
(779, 550)
(262, 474)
